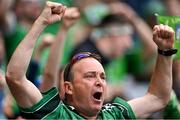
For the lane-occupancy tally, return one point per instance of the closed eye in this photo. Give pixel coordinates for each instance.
(90, 75)
(95, 75)
(103, 76)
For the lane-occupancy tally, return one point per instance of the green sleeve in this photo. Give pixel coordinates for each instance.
(172, 110)
(45, 106)
(125, 108)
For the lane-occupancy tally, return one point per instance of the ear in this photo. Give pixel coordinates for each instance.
(68, 87)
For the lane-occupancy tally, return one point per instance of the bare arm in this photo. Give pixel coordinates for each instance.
(50, 76)
(18, 84)
(46, 42)
(140, 26)
(145, 33)
(160, 87)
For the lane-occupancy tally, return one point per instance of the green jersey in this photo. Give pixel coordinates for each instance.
(51, 107)
(172, 110)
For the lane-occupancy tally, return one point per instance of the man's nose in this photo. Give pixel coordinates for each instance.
(128, 43)
(98, 82)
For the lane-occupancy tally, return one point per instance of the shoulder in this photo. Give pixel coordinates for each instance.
(119, 109)
(46, 105)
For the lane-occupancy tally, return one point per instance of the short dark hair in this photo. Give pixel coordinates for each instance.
(67, 71)
(111, 19)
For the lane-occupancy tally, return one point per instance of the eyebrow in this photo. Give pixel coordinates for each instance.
(94, 72)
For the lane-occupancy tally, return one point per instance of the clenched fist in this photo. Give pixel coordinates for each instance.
(52, 12)
(70, 17)
(163, 36)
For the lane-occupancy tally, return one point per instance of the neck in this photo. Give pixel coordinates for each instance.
(88, 117)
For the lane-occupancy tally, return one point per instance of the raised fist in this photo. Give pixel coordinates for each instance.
(122, 9)
(70, 17)
(52, 12)
(163, 36)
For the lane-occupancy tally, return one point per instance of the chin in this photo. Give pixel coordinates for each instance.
(117, 55)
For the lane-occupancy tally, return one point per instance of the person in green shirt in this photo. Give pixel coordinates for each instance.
(85, 80)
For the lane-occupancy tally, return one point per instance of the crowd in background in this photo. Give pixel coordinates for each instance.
(120, 31)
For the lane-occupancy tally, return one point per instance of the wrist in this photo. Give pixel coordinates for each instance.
(40, 23)
(167, 52)
(64, 27)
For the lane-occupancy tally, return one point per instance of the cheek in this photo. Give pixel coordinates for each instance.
(122, 45)
(105, 85)
(83, 87)
(117, 49)
(117, 44)
(82, 90)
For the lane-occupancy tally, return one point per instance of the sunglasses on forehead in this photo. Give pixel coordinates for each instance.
(76, 58)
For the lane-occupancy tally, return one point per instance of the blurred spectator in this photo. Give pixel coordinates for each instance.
(27, 11)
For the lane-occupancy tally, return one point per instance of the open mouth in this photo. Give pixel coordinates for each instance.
(97, 95)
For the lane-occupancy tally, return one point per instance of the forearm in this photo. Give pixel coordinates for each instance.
(160, 87)
(161, 82)
(159, 90)
(50, 76)
(21, 57)
(145, 34)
